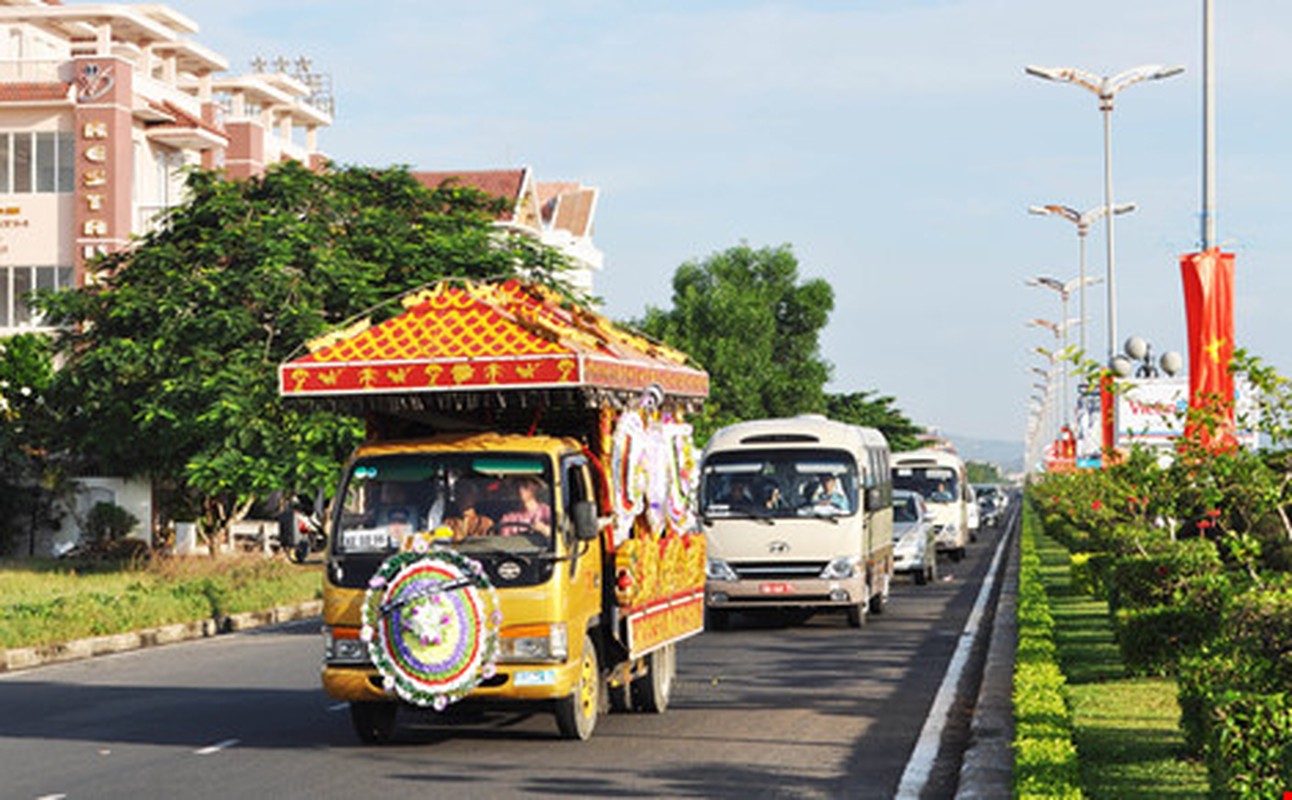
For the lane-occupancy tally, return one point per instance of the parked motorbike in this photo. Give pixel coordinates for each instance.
(300, 529)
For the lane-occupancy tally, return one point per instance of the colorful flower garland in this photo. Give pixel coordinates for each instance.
(430, 620)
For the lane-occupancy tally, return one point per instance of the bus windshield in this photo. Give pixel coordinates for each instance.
(936, 484)
(778, 483)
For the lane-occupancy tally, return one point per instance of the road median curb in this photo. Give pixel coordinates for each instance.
(19, 658)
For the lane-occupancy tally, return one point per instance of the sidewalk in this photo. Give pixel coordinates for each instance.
(18, 658)
(987, 771)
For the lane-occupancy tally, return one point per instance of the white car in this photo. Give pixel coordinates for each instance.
(914, 544)
(975, 513)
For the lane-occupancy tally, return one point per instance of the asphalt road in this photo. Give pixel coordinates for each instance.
(770, 708)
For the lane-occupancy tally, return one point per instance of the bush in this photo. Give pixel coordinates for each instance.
(1165, 577)
(1249, 749)
(1234, 707)
(109, 522)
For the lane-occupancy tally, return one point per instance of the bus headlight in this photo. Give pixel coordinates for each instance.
(841, 567)
(718, 570)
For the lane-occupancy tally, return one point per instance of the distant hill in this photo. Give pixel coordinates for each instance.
(1004, 454)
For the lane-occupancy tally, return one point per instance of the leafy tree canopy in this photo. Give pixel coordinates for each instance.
(865, 408)
(744, 316)
(170, 359)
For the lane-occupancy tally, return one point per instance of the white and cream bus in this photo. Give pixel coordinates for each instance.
(797, 513)
(941, 478)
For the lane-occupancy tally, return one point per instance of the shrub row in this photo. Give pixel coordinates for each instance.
(1236, 710)
(1180, 610)
(1045, 757)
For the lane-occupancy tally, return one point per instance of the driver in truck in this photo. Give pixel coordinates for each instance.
(533, 512)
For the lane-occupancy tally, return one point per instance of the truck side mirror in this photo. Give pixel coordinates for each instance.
(585, 521)
(874, 498)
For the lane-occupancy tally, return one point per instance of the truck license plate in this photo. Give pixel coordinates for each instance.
(775, 588)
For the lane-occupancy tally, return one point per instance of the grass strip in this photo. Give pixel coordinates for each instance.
(47, 602)
(1127, 729)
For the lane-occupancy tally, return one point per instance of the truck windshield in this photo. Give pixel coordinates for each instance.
(778, 483)
(936, 484)
(475, 503)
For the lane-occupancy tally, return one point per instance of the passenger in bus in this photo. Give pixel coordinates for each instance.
(830, 494)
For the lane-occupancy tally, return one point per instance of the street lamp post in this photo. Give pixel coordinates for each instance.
(1083, 221)
(1065, 289)
(1060, 331)
(1106, 88)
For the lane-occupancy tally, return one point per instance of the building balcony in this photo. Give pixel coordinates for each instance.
(22, 70)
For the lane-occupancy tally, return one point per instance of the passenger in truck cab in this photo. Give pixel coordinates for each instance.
(468, 521)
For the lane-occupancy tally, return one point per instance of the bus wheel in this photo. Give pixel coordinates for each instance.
(717, 619)
(651, 692)
(879, 600)
(857, 613)
(576, 715)
(374, 723)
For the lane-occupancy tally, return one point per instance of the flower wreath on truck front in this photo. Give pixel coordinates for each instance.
(430, 620)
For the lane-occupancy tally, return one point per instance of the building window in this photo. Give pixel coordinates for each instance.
(17, 282)
(37, 161)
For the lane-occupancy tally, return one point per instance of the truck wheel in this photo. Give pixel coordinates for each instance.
(651, 692)
(374, 723)
(576, 715)
(857, 614)
(921, 575)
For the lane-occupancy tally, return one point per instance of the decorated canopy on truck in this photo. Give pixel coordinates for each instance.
(463, 337)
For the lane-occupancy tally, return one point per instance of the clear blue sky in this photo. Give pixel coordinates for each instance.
(894, 144)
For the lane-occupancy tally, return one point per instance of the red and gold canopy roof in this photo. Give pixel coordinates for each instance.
(469, 337)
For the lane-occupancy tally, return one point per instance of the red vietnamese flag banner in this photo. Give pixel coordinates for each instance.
(1209, 311)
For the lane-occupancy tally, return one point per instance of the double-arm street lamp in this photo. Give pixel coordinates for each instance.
(1060, 331)
(1083, 221)
(1106, 88)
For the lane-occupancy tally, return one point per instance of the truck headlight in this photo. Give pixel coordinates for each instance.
(534, 643)
(841, 567)
(342, 645)
(718, 570)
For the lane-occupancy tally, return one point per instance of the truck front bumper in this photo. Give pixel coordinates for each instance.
(364, 683)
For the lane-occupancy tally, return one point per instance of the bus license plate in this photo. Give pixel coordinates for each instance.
(775, 588)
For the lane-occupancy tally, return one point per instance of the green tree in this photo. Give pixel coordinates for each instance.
(982, 472)
(170, 359)
(26, 472)
(744, 316)
(865, 408)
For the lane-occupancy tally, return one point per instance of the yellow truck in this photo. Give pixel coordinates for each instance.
(518, 525)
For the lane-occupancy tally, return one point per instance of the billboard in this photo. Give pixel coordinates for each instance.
(1151, 412)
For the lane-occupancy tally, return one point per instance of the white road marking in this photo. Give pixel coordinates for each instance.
(52, 797)
(338, 707)
(217, 747)
(920, 765)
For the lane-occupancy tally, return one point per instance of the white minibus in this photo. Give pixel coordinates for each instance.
(797, 513)
(941, 478)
